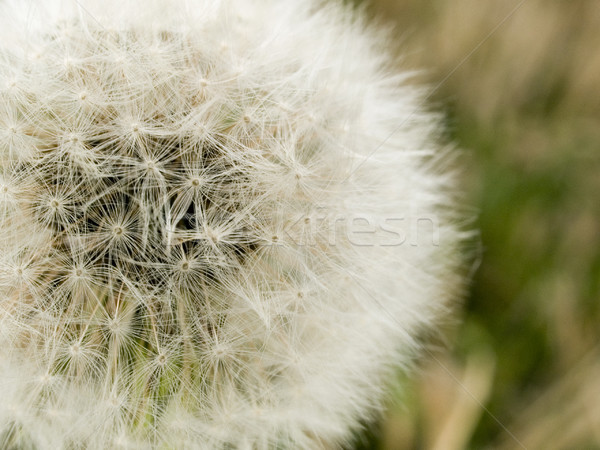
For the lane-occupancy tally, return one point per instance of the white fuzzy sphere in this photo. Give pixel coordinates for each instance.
(223, 224)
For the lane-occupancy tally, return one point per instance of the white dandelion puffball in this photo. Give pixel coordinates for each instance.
(223, 224)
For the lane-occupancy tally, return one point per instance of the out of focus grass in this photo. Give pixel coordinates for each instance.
(523, 365)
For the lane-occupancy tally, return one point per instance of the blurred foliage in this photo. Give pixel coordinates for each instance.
(519, 83)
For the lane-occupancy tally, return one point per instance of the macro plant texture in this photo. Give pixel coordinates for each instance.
(164, 280)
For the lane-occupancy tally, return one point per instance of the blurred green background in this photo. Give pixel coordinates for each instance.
(519, 84)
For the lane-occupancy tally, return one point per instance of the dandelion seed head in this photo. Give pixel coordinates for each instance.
(178, 194)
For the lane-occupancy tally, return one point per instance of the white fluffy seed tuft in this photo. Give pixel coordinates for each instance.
(222, 224)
